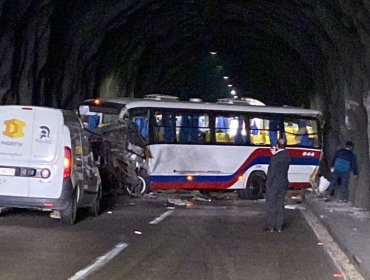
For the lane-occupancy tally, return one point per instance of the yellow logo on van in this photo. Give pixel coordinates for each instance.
(14, 128)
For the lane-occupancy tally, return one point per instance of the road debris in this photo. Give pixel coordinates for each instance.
(198, 198)
(338, 275)
(294, 207)
(150, 195)
(176, 201)
(55, 214)
(189, 203)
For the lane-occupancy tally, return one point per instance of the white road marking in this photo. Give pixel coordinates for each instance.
(99, 263)
(332, 248)
(161, 217)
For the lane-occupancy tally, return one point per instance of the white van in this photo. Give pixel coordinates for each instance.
(46, 162)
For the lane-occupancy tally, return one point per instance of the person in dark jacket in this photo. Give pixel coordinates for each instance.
(276, 186)
(343, 163)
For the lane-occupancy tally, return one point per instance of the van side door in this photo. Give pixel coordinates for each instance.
(90, 170)
(76, 144)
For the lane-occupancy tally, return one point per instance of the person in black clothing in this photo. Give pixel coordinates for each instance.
(276, 186)
(343, 163)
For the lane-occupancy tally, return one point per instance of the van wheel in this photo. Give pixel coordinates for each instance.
(254, 189)
(144, 178)
(68, 215)
(94, 210)
(143, 184)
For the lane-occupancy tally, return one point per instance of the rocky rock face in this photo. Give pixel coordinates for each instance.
(297, 52)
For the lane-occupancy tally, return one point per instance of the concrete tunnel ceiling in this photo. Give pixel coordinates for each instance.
(310, 53)
(265, 49)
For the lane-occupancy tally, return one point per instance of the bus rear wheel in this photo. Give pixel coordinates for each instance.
(254, 189)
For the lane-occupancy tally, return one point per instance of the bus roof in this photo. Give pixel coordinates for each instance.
(121, 100)
(223, 107)
(106, 106)
(115, 100)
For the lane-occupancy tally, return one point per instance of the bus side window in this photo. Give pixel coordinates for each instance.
(204, 131)
(257, 137)
(186, 133)
(222, 125)
(265, 130)
(240, 131)
(193, 128)
(307, 132)
(158, 129)
(142, 126)
(169, 123)
(291, 129)
(222, 137)
(231, 128)
(302, 132)
(163, 127)
(273, 131)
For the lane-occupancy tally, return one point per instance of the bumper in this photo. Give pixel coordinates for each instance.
(39, 202)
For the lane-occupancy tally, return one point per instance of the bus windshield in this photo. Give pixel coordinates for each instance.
(96, 113)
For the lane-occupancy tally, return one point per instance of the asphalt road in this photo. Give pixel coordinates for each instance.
(142, 239)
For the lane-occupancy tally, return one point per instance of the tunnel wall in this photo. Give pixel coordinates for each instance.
(343, 88)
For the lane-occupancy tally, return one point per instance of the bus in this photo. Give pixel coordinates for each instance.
(224, 146)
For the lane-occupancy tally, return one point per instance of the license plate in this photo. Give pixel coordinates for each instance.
(7, 171)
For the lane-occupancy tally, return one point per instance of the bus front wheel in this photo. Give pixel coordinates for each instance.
(254, 189)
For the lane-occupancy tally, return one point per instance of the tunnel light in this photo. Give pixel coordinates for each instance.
(226, 77)
(229, 85)
(233, 92)
(213, 53)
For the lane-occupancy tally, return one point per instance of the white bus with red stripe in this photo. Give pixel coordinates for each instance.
(223, 146)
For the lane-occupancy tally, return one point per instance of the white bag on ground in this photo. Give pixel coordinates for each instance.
(323, 184)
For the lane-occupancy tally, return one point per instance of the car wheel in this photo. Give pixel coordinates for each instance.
(68, 215)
